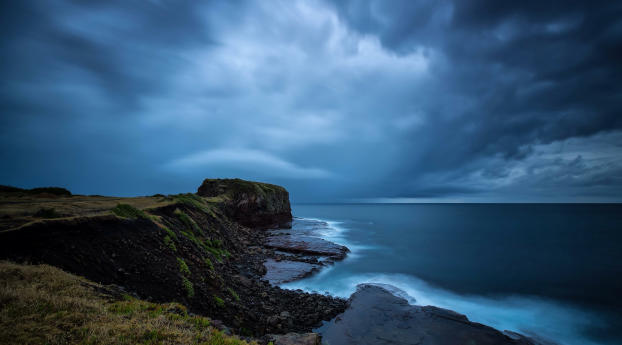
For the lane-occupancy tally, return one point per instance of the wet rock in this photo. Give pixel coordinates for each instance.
(375, 316)
(283, 271)
(296, 339)
(308, 245)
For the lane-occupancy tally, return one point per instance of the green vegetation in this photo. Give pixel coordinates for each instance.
(183, 268)
(129, 211)
(188, 222)
(47, 213)
(209, 263)
(219, 301)
(199, 202)
(188, 287)
(169, 243)
(234, 294)
(170, 232)
(44, 305)
(192, 200)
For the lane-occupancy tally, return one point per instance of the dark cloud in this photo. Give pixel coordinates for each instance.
(352, 99)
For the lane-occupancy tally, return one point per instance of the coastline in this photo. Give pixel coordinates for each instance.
(361, 323)
(222, 252)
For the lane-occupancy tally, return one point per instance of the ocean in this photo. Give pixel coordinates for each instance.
(553, 271)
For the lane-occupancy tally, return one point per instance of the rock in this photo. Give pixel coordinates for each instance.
(251, 204)
(375, 316)
(308, 245)
(284, 271)
(296, 339)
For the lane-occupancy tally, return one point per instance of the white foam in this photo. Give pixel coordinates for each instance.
(542, 318)
(545, 319)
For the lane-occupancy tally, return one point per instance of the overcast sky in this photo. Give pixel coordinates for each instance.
(345, 101)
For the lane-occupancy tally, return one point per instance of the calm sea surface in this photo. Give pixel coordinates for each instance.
(550, 270)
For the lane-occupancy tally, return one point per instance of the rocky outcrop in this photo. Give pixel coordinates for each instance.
(251, 204)
(186, 249)
(300, 251)
(283, 271)
(375, 316)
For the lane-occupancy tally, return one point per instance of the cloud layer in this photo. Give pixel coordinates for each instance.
(436, 100)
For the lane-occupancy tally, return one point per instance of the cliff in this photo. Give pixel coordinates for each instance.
(252, 204)
(202, 250)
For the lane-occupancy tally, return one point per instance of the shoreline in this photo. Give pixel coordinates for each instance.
(375, 295)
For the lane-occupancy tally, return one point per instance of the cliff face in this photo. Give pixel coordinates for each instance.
(251, 204)
(185, 248)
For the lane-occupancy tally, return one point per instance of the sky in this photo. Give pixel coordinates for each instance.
(344, 101)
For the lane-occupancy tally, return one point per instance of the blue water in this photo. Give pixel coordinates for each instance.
(553, 271)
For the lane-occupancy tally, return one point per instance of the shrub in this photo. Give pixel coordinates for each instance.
(128, 211)
(50, 190)
(47, 213)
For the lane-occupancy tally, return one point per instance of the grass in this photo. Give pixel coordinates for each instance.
(128, 211)
(191, 200)
(188, 222)
(219, 301)
(183, 268)
(234, 294)
(44, 305)
(209, 263)
(169, 243)
(188, 286)
(170, 232)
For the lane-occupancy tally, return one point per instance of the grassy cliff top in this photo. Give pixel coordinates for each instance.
(232, 187)
(17, 209)
(21, 206)
(44, 305)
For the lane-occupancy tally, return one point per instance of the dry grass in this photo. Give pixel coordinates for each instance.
(44, 305)
(19, 209)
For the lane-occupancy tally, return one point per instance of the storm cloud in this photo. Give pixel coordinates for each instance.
(337, 101)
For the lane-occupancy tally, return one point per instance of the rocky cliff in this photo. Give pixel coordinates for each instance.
(203, 250)
(252, 204)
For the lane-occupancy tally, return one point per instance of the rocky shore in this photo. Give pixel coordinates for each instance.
(205, 250)
(222, 253)
(375, 316)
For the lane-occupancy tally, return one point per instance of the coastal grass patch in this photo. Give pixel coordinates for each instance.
(128, 211)
(170, 243)
(206, 205)
(209, 263)
(189, 223)
(183, 267)
(44, 305)
(234, 294)
(168, 231)
(219, 301)
(188, 287)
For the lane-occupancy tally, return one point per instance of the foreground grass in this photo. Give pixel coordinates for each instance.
(44, 305)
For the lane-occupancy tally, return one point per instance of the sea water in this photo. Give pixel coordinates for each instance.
(553, 271)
